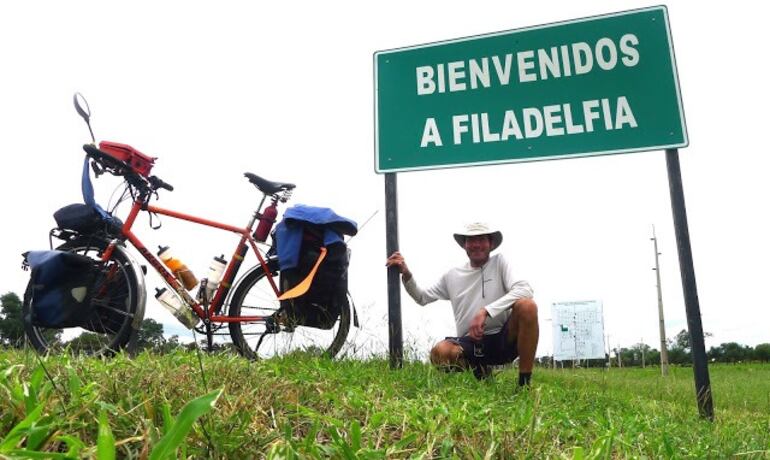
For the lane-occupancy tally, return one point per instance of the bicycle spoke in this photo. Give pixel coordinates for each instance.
(117, 311)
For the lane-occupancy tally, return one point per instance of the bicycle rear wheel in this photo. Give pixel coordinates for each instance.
(115, 304)
(255, 297)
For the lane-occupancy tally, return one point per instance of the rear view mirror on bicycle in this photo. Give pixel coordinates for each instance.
(294, 297)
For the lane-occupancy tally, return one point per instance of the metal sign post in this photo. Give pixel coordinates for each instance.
(395, 338)
(694, 325)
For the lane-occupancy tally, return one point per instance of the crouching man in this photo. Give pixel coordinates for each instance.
(495, 315)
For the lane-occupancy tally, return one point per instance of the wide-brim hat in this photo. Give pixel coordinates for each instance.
(477, 229)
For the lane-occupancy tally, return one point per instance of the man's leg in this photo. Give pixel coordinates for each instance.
(448, 355)
(523, 329)
(451, 356)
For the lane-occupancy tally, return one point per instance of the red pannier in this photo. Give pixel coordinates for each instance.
(138, 161)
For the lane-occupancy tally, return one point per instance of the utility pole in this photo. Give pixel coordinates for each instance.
(662, 324)
(641, 345)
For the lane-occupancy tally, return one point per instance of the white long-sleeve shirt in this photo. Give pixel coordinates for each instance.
(492, 286)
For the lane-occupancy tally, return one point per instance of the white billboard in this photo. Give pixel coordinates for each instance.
(578, 330)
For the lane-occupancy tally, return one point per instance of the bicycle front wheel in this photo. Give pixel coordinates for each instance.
(254, 296)
(115, 306)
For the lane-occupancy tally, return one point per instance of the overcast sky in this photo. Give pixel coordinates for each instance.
(285, 90)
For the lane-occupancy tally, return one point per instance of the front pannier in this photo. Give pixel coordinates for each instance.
(61, 289)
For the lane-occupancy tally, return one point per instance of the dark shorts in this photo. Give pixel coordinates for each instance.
(492, 350)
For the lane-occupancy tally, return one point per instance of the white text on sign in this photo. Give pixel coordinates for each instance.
(556, 62)
(551, 120)
(561, 61)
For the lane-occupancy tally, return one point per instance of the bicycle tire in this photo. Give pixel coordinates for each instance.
(255, 295)
(110, 327)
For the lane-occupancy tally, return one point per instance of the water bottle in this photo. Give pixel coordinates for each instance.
(216, 270)
(177, 307)
(266, 221)
(177, 267)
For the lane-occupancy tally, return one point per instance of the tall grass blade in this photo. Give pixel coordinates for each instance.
(20, 430)
(355, 436)
(19, 453)
(184, 422)
(168, 419)
(105, 441)
(36, 436)
(578, 454)
(33, 389)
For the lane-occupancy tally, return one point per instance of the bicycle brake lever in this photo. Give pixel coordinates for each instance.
(98, 170)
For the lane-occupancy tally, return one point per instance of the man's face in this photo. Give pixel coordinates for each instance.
(478, 248)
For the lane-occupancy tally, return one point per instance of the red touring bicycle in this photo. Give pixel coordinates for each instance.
(249, 305)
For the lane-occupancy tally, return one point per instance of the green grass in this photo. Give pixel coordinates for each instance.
(301, 407)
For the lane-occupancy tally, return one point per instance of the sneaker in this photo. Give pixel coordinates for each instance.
(482, 371)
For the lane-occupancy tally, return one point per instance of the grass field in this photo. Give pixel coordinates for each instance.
(303, 407)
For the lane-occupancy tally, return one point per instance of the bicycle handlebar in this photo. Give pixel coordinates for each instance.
(112, 165)
(120, 168)
(157, 182)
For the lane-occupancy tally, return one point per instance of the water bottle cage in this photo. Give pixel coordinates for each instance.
(201, 296)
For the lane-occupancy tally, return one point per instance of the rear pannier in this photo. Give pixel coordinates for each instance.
(314, 259)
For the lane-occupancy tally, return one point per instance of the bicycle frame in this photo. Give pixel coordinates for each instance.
(233, 265)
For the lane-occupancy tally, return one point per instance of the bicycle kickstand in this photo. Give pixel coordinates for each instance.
(209, 337)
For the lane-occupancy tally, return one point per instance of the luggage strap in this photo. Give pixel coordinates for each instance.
(304, 285)
(88, 192)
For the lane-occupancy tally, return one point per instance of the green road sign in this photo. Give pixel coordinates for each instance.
(592, 86)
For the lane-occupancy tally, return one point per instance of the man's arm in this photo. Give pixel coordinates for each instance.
(519, 290)
(421, 296)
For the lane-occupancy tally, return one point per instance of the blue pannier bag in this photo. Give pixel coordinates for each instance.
(61, 288)
(85, 219)
(79, 217)
(299, 238)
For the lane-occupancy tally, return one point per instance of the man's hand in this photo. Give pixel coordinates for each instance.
(476, 331)
(397, 260)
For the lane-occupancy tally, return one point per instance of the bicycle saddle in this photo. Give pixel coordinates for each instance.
(268, 187)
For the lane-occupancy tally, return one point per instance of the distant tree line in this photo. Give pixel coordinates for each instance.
(151, 338)
(678, 353)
